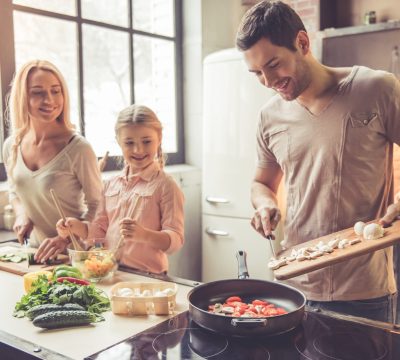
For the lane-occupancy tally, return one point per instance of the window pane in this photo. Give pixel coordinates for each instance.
(33, 40)
(67, 7)
(106, 85)
(113, 12)
(155, 16)
(154, 68)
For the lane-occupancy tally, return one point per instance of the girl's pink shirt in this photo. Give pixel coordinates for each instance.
(160, 209)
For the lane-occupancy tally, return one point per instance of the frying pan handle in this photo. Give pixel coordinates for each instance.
(243, 273)
(249, 322)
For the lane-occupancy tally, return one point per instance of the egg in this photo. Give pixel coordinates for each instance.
(125, 292)
(373, 231)
(359, 227)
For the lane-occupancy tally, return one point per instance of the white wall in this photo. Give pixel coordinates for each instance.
(208, 26)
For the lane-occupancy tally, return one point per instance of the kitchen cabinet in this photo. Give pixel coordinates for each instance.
(222, 238)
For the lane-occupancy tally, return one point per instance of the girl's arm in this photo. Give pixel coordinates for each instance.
(132, 230)
(170, 237)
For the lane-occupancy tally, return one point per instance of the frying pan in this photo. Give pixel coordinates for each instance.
(285, 296)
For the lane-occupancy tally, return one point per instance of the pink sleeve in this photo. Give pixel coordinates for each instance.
(172, 217)
(97, 229)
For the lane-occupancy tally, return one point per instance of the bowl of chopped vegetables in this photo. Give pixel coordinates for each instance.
(95, 264)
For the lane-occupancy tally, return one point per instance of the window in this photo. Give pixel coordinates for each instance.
(112, 54)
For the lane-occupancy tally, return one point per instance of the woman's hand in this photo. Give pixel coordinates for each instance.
(50, 248)
(22, 227)
(131, 229)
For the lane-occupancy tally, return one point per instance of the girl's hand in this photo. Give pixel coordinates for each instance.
(70, 224)
(50, 248)
(22, 227)
(131, 229)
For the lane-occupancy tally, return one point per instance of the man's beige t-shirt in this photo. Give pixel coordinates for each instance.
(73, 174)
(338, 170)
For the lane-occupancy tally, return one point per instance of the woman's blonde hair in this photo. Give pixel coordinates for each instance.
(141, 115)
(18, 109)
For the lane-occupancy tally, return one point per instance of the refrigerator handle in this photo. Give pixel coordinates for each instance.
(214, 232)
(216, 200)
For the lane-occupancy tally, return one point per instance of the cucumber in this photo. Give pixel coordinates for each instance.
(60, 319)
(45, 308)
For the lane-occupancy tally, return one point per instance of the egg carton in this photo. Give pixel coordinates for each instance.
(139, 298)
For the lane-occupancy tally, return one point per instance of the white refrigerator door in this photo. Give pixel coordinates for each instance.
(222, 238)
(232, 100)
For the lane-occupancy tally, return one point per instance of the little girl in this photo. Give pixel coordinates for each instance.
(156, 228)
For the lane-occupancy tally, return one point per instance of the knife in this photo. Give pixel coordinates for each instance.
(269, 238)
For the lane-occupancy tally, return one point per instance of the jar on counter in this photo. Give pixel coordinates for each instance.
(9, 217)
(370, 17)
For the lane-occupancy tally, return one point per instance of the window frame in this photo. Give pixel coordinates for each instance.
(7, 67)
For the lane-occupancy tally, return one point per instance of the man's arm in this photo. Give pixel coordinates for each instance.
(263, 197)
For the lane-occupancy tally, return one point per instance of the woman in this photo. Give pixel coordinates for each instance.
(44, 152)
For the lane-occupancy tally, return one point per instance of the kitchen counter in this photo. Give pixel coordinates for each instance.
(321, 335)
(6, 236)
(22, 340)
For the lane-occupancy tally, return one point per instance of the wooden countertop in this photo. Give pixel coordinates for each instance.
(78, 342)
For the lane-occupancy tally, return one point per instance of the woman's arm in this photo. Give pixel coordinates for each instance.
(23, 224)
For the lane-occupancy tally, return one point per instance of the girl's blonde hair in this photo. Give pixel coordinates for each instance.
(18, 109)
(141, 115)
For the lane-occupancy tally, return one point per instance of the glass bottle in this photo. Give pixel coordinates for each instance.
(395, 62)
(9, 217)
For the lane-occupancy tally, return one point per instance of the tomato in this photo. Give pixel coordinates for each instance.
(270, 312)
(240, 310)
(259, 302)
(233, 298)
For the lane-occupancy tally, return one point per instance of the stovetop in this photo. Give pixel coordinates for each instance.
(318, 337)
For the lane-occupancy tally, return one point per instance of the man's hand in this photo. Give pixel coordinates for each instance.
(22, 227)
(50, 248)
(266, 219)
(392, 213)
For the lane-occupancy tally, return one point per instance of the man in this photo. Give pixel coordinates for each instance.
(330, 132)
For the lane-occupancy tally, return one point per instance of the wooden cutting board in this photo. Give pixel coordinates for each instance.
(295, 268)
(23, 267)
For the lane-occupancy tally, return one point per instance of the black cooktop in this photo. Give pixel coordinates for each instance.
(319, 337)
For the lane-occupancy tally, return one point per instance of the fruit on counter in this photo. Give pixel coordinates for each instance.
(46, 308)
(73, 280)
(60, 319)
(30, 277)
(67, 271)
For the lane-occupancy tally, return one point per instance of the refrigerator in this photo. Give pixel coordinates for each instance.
(232, 99)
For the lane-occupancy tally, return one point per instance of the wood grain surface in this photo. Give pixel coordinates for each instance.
(23, 267)
(295, 268)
